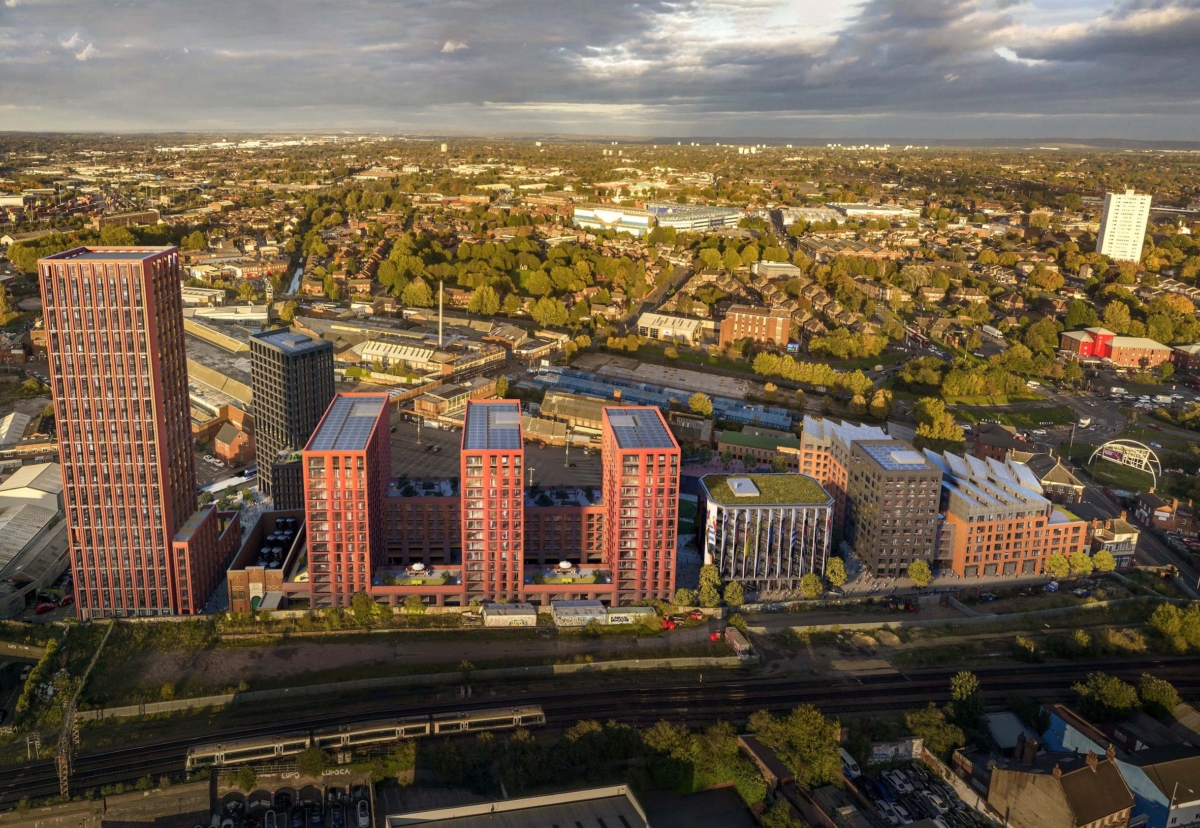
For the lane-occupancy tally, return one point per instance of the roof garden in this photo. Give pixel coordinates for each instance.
(772, 490)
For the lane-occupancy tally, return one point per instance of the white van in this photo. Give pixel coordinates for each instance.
(849, 766)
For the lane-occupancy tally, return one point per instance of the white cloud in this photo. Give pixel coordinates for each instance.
(71, 42)
(1012, 57)
(88, 51)
(453, 46)
(12, 4)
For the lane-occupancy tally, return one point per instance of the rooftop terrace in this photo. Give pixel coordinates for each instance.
(764, 490)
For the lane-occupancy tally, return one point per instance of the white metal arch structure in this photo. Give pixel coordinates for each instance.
(1130, 453)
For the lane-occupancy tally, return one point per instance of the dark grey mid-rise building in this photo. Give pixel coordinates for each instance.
(292, 377)
(893, 494)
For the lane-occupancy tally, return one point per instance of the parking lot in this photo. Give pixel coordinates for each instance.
(904, 795)
(436, 456)
(308, 807)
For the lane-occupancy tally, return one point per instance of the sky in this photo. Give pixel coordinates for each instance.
(871, 70)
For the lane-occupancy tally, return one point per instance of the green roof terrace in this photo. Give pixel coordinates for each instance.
(764, 490)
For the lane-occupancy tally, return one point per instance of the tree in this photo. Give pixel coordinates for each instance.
(484, 301)
(246, 778)
(1104, 561)
(881, 404)
(835, 572)
(549, 313)
(332, 291)
(805, 741)
(1159, 697)
(810, 585)
(1106, 697)
(1080, 563)
(413, 605)
(670, 353)
(735, 594)
(709, 258)
(501, 386)
(1057, 566)
(967, 698)
(1116, 317)
(699, 403)
(940, 735)
(936, 428)
(710, 596)
(685, 597)
(417, 294)
(312, 761)
(919, 574)
(363, 607)
(287, 314)
(732, 260)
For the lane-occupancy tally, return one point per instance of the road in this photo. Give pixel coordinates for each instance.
(655, 297)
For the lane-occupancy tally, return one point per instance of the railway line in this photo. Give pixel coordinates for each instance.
(694, 703)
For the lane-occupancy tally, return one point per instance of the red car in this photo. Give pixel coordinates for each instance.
(43, 608)
(67, 600)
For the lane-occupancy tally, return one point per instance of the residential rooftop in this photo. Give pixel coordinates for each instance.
(292, 342)
(741, 438)
(348, 423)
(492, 426)
(110, 254)
(764, 490)
(639, 428)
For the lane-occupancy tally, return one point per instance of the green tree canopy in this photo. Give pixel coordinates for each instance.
(699, 403)
(835, 572)
(805, 741)
(1106, 698)
(919, 573)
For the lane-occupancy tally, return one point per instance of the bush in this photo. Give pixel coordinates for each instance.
(1159, 697)
(941, 736)
(685, 597)
(312, 761)
(735, 594)
(246, 778)
(1106, 697)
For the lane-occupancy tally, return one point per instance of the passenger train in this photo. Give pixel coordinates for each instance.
(268, 748)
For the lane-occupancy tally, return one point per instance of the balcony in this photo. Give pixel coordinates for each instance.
(558, 575)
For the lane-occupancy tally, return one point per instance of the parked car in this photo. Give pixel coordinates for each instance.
(41, 609)
(269, 820)
(364, 814)
(25, 671)
(67, 600)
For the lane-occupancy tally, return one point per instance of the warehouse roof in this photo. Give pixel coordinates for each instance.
(741, 438)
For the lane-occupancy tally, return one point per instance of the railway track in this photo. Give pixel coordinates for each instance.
(693, 703)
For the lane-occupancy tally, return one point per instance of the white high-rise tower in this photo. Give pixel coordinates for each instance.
(1123, 226)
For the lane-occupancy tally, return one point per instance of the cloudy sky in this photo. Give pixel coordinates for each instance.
(821, 69)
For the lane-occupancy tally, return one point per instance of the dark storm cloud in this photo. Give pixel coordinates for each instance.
(955, 67)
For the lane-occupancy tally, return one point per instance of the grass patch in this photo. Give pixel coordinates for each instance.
(35, 635)
(1022, 418)
(1106, 472)
(995, 399)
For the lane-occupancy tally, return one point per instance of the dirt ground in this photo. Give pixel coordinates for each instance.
(227, 666)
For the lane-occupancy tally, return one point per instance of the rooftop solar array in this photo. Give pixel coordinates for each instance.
(493, 426)
(348, 423)
(290, 341)
(893, 456)
(639, 428)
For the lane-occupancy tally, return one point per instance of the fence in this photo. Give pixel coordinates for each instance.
(457, 677)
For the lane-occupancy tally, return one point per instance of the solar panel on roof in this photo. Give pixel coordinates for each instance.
(639, 429)
(348, 424)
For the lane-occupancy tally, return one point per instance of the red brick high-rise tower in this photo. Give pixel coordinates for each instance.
(118, 368)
